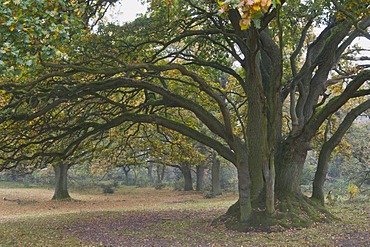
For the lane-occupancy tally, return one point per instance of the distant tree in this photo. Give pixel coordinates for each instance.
(216, 176)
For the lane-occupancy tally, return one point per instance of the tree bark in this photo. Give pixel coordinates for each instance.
(216, 181)
(160, 173)
(269, 175)
(289, 162)
(150, 173)
(61, 185)
(200, 178)
(188, 181)
(126, 170)
(244, 186)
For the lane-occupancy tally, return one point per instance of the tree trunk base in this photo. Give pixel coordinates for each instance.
(62, 197)
(295, 211)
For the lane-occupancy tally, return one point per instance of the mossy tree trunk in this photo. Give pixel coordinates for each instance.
(289, 166)
(244, 187)
(61, 184)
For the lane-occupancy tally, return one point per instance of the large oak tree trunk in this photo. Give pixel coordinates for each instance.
(244, 186)
(289, 166)
(61, 186)
(256, 144)
(242, 209)
(298, 209)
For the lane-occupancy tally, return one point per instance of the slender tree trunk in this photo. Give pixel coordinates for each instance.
(320, 175)
(163, 172)
(200, 178)
(186, 172)
(150, 174)
(160, 173)
(269, 175)
(126, 177)
(216, 180)
(126, 170)
(328, 147)
(61, 186)
(135, 177)
(256, 126)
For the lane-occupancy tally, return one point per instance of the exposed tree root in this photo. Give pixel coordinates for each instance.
(295, 211)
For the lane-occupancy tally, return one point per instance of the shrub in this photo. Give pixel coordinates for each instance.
(352, 191)
(159, 186)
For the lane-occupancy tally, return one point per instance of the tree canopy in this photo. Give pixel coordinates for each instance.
(248, 79)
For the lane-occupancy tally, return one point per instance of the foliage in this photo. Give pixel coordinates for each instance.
(250, 10)
(352, 191)
(352, 168)
(33, 30)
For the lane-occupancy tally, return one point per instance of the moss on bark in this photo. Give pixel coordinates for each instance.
(294, 211)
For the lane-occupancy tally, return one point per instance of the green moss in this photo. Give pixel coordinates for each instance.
(295, 211)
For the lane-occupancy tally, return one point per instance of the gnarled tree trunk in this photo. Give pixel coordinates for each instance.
(289, 166)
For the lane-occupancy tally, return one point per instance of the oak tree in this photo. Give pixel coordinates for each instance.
(232, 66)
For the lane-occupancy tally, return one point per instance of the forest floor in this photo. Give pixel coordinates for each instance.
(147, 217)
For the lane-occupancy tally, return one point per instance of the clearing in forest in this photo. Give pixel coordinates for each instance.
(148, 217)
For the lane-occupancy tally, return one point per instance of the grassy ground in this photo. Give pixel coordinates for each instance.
(148, 217)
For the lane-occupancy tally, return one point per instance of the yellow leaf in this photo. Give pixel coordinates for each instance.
(256, 8)
(244, 24)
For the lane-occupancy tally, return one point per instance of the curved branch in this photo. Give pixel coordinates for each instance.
(334, 104)
(182, 129)
(328, 147)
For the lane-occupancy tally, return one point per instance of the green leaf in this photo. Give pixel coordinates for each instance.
(257, 23)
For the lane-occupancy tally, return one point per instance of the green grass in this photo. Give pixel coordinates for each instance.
(38, 231)
(182, 222)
